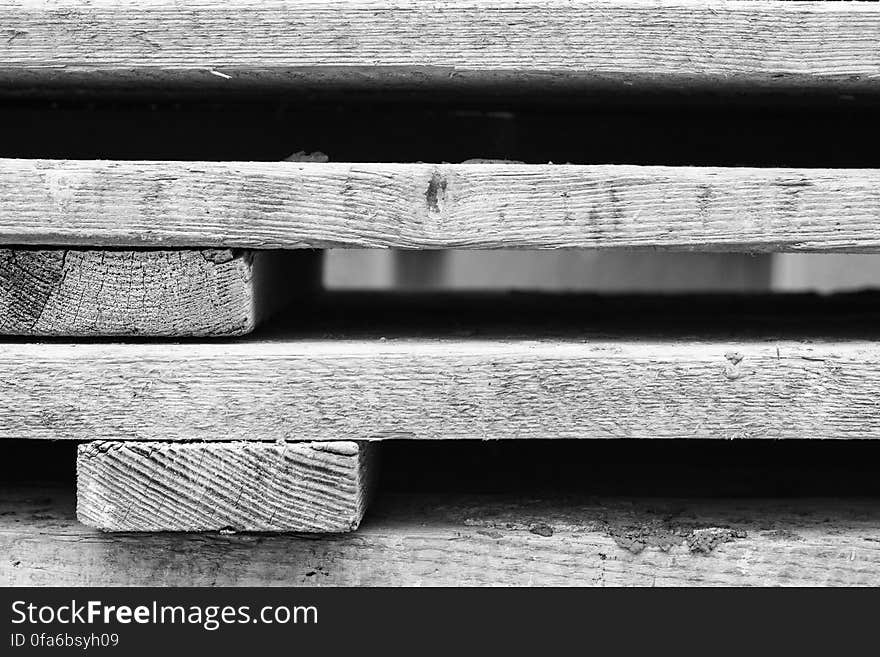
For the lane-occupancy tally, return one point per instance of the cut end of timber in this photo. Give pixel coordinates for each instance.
(233, 486)
(208, 292)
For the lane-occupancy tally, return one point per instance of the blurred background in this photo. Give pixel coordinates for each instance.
(589, 271)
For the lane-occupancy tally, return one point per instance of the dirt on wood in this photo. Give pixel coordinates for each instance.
(633, 535)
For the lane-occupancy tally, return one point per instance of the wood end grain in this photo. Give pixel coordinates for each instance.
(235, 486)
(146, 293)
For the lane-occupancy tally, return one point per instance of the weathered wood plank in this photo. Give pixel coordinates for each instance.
(607, 372)
(256, 486)
(425, 206)
(453, 540)
(623, 43)
(212, 292)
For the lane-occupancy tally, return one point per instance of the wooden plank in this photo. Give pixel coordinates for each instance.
(425, 540)
(425, 206)
(256, 486)
(518, 371)
(213, 292)
(803, 45)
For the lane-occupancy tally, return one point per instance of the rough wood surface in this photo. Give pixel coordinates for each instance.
(626, 42)
(143, 293)
(606, 372)
(66, 292)
(425, 206)
(453, 540)
(256, 486)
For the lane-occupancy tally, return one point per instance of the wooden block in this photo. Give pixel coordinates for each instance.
(256, 486)
(720, 371)
(368, 42)
(452, 540)
(141, 293)
(426, 206)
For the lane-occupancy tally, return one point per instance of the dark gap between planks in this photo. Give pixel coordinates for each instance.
(716, 133)
(501, 315)
(388, 316)
(669, 468)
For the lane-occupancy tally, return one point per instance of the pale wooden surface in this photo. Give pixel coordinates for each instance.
(425, 206)
(619, 44)
(256, 486)
(454, 540)
(162, 293)
(375, 369)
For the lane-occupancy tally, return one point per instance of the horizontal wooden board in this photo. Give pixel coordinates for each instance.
(427, 206)
(213, 292)
(454, 540)
(256, 486)
(365, 42)
(604, 373)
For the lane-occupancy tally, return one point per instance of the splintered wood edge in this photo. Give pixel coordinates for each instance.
(288, 205)
(371, 42)
(209, 292)
(422, 540)
(252, 486)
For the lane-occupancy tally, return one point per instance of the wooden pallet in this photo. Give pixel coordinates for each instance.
(113, 274)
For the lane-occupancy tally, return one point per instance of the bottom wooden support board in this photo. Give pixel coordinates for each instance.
(254, 486)
(455, 540)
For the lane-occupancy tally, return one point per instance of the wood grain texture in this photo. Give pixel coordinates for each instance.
(606, 373)
(425, 206)
(455, 540)
(256, 486)
(625, 42)
(131, 293)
